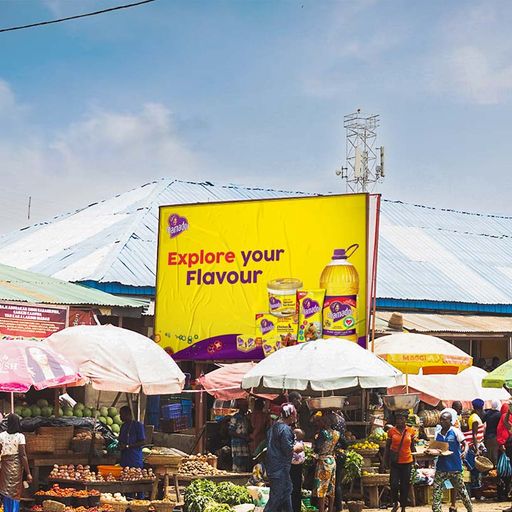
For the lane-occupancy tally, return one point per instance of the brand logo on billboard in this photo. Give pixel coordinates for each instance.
(310, 307)
(177, 224)
(266, 326)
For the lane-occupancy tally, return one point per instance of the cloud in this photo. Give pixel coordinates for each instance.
(471, 58)
(102, 153)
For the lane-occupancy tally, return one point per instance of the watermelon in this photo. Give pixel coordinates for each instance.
(110, 421)
(68, 411)
(18, 409)
(103, 420)
(79, 406)
(115, 428)
(79, 413)
(46, 412)
(36, 411)
(42, 403)
(104, 411)
(61, 412)
(26, 412)
(117, 420)
(87, 413)
(112, 412)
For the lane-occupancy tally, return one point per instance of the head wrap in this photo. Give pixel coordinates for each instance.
(495, 405)
(452, 412)
(287, 410)
(477, 403)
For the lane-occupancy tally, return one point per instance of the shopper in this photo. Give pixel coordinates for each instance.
(398, 457)
(325, 473)
(504, 441)
(260, 421)
(132, 438)
(240, 430)
(474, 437)
(340, 427)
(298, 459)
(491, 419)
(14, 462)
(449, 467)
(280, 441)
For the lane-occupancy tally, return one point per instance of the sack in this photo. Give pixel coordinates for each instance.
(504, 467)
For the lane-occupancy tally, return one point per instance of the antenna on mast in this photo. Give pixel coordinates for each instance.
(364, 161)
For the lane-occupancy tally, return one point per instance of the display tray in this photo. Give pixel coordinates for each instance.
(70, 483)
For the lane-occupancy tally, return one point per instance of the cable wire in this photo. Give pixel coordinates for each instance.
(77, 16)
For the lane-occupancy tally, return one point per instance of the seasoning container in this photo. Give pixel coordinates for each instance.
(282, 296)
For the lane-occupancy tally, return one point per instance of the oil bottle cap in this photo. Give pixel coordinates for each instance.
(342, 254)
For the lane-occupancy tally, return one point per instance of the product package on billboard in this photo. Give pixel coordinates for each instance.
(282, 296)
(277, 332)
(247, 342)
(310, 304)
(340, 280)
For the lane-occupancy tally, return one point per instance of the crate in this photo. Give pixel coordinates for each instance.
(105, 470)
(171, 412)
(175, 425)
(39, 444)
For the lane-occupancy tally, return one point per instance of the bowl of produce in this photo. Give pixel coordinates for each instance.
(401, 402)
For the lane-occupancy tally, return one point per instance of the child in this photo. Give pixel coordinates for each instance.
(298, 459)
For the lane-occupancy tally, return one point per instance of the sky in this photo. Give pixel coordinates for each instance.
(253, 92)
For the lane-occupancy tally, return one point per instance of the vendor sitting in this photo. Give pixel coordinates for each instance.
(132, 438)
(259, 472)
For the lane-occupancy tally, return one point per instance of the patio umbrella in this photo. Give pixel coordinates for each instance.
(225, 383)
(321, 365)
(25, 364)
(464, 387)
(116, 359)
(500, 377)
(419, 353)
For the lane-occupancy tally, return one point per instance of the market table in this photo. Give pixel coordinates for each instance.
(64, 459)
(124, 487)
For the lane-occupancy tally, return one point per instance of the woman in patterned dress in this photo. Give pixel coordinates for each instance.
(325, 445)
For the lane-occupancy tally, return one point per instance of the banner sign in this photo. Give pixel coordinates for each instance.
(239, 280)
(31, 321)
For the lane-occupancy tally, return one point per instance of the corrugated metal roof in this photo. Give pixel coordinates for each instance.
(432, 323)
(23, 286)
(426, 254)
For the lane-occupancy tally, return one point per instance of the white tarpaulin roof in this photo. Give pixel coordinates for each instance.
(321, 365)
(115, 359)
(465, 386)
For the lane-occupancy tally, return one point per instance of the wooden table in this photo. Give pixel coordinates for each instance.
(145, 486)
(38, 462)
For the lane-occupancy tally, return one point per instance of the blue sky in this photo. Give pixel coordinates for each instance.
(253, 92)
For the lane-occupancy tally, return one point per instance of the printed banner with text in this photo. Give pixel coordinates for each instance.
(239, 280)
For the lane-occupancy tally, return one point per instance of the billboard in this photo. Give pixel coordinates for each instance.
(31, 321)
(239, 280)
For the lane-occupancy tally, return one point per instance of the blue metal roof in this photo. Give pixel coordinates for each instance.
(431, 258)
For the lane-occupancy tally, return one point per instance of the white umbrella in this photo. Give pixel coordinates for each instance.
(115, 359)
(322, 365)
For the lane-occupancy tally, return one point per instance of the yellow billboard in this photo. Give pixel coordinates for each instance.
(239, 280)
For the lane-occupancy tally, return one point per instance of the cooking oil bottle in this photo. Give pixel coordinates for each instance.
(341, 283)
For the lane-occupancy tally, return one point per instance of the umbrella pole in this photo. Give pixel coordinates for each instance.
(407, 383)
(12, 402)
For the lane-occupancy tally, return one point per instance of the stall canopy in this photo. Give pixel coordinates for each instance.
(115, 359)
(501, 376)
(25, 364)
(420, 353)
(224, 383)
(322, 365)
(465, 387)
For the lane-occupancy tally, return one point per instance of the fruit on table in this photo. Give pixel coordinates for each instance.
(197, 465)
(134, 474)
(365, 445)
(378, 436)
(349, 436)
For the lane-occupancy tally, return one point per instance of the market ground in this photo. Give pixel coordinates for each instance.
(482, 506)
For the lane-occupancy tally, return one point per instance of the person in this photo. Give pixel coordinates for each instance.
(449, 467)
(482, 363)
(504, 441)
(398, 458)
(475, 440)
(340, 427)
(260, 421)
(240, 430)
(495, 363)
(280, 441)
(43, 366)
(324, 447)
(132, 438)
(14, 462)
(298, 459)
(491, 419)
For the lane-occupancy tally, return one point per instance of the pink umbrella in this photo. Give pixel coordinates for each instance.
(225, 382)
(24, 364)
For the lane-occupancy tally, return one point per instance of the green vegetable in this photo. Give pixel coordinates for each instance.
(217, 507)
(228, 492)
(352, 466)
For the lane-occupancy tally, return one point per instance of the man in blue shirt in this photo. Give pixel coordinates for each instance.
(449, 467)
(280, 440)
(131, 440)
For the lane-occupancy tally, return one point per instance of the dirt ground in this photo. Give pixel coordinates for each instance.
(478, 506)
